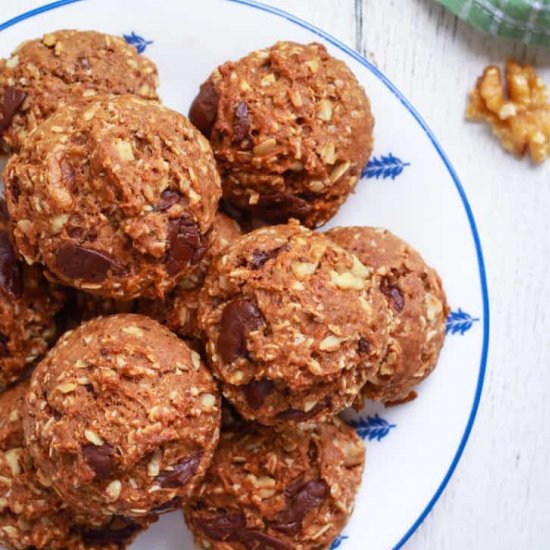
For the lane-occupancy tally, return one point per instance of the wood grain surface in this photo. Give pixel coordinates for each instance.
(499, 497)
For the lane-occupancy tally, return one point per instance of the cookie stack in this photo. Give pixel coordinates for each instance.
(200, 355)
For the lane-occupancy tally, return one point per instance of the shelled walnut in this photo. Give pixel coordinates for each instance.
(517, 109)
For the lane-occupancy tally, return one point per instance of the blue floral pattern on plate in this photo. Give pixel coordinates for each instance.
(371, 427)
(338, 541)
(138, 41)
(384, 167)
(459, 322)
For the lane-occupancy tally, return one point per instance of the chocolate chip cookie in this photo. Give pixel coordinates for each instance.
(418, 306)
(115, 196)
(294, 325)
(64, 66)
(31, 514)
(122, 417)
(283, 490)
(291, 129)
(28, 304)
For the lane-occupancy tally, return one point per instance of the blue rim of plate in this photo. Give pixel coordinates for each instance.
(475, 235)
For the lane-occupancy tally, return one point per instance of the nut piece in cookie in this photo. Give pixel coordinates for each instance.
(28, 304)
(122, 417)
(280, 489)
(64, 66)
(115, 196)
(291, 129)
(31, 514)
(517, 109)
(294, 325)
(417, 304)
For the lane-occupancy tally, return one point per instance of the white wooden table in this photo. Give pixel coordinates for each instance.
(499, 497)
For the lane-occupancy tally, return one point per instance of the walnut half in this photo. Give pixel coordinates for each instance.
(517, 109)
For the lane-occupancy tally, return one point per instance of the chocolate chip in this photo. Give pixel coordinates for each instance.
(11, 102)
(204, 108)
(11, 276)
(256, 392)
(77, 262)
(363, 345)
(260, 257)
(239, 317)
(100, 459)
(393, 293)
(187, 245)
(4, 214)
(118, 531)
(296, 415)
(169, 506)
(241, 124)
(301, 497)
(168, 198)
(4, 341)
(311, 495)
(180, 474)
(279, 207)
(230, 527)
(222, 527)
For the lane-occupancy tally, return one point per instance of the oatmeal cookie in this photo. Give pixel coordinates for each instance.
(122, 417)
(28, 305)
(291, 129)
(64, 66)
(31, 514)
(291, 489)
(418, 306)
(115, 196)
(294, 325)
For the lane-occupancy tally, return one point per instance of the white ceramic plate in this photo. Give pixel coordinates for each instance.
(409, 187)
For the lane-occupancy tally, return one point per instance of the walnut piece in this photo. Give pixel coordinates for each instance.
(517, 109)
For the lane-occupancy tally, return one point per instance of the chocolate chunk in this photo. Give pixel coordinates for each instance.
(260, 257)
(118, 531)
(254, 539)
(180, 474)
(169, 506)
(187, 245)
(77, 262)
(100, 459)
(394, 295)
(301, 497)
(230, 527)
(238, 318)
(363, 345)
(256, 392)
(4, 214)
(311, 495)
(4, 341)
(11, 276)
(222, 527)
(10, 103)
(241, 124)
(296, 415)
(168, 198)
(204, 108)
(279, 207)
